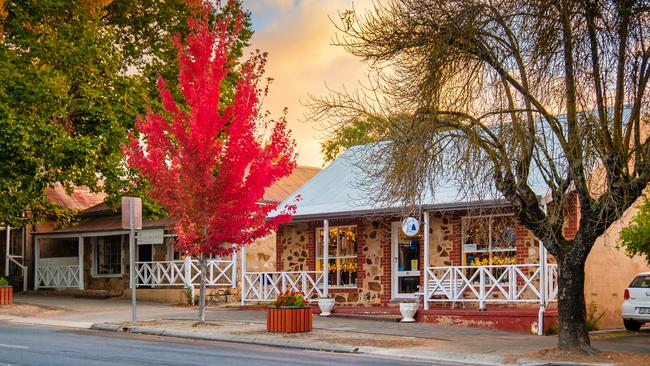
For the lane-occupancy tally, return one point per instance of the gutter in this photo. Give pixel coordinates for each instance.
(446, 207)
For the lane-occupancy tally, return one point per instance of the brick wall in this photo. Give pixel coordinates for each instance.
(571, 217)
(385, 245)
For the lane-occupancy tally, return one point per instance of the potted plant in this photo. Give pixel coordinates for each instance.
(325, 304)
(6, 292)
(289, 314)
(408, 309)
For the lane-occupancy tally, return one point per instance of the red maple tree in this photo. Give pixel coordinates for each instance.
(209, 164)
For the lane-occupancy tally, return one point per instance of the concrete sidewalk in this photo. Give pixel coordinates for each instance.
(82, 312)
(417, 341)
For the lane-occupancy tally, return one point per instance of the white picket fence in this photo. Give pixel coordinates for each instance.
(266, 286)
(220, 273)
(517, 283)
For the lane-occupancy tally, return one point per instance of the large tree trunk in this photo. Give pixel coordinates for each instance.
(572, 313)
(203, 269)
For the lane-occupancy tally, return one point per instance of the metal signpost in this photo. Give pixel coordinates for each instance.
(132, 220)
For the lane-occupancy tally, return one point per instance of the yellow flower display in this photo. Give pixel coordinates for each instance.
(497, 261)
(346, 267)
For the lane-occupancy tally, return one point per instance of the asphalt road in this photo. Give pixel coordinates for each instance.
(31, 345)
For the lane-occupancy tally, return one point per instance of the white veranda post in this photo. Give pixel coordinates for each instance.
(426, 260)
(7, 253)
(326, 249)
(542, 287)
(243, 275)
(37, 255)
(81, 262)
(233, 270)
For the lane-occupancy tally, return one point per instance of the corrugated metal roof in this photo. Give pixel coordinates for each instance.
(338, 191)
(101, 217)
(80, 199)
(284, 187)
(279, 191)
(109, 223)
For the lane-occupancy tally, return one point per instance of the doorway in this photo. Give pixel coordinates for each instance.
(405, 269)
(145, 253)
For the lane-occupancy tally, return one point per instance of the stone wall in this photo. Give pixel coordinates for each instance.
(260, 256)
(441, 240)
(292, 247)
(371, 287)
(115, 285)
(161, 252)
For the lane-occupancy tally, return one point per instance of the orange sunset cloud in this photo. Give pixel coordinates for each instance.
(298, 36)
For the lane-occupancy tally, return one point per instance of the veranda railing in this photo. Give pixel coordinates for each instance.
(517, 283)
(266, 286)
(220, 273)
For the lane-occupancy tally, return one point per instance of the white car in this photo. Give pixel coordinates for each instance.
(636, 304)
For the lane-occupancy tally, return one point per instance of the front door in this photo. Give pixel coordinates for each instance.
(405, 253)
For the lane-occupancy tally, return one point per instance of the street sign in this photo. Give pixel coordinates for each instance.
(151, 236)
(127, 202)
(410, 226)
(132, 220)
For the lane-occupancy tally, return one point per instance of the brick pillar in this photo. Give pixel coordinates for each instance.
(361, 254)
(279, 249)
(311, 245)
(456, 235)
(520, 243)
(386, 271)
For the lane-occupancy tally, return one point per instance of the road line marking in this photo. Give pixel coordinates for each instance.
(13, 346)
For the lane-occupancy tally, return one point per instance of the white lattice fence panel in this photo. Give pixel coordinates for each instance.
(184, 273)
(483, 284)
(266, 286)
(58, 276)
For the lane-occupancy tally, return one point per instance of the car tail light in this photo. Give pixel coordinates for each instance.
(626, 294)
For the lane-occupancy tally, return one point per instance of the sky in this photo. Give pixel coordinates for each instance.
(298, 34)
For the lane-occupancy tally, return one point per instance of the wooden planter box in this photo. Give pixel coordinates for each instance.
(6, 295)
(288, 319)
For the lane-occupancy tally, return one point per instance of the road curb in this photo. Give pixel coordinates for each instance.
(432, 356)
(559, 363)
(312, 346)
(106, 326)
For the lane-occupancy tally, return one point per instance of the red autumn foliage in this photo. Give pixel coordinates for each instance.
(209, 164)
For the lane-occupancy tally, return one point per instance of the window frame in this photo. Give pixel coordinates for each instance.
(95, 259)
(489, 251)
(320, 258)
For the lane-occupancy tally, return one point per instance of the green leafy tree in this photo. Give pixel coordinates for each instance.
(361, 130)
(636, 237)
(75, 74)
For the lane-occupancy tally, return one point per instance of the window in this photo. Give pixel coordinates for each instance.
(108, 256)
(642, 281)
(489, 240)
(342, 266)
